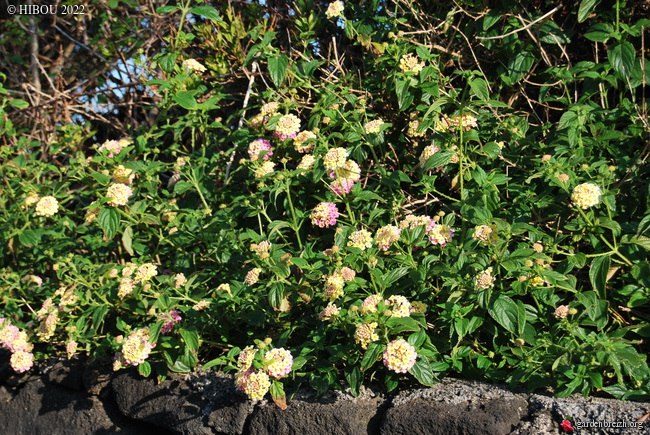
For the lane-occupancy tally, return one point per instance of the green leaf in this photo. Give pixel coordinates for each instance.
(404, 97)
(277, 389)
(18, 103)
(180, 367)
(127, 240)
(102, 179)
(109, 221)
(214, 362)
(393, 275)
(479, 88)
(586, 8)
(355, 379)
(278, 69)
(371, 356)
(441, 158)
(30, 237)
(166, 9)
(207, 12)
(505, 311)
(154, 331)
(397, 325)
(186, 100)
(520, 64)
(642, 241)
(490, 19)
(598, 273)
(276, 295)
(391, 381)
(423, 372)
(144, 369)
(622, 58)
(191, 339)
(167, 62)
(416, 339)
(599, 32)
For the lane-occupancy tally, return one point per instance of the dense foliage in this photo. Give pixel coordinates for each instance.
(340, 193)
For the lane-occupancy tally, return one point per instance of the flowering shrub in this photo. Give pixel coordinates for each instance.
(364, 203)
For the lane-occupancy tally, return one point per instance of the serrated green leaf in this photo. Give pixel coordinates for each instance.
(622, 57)
(102, 179)
(191, 339)
(371, 356)
(479, 88)
(144, 369)
(599, 32)
(167, 62)
(127, 240)
(109, 221)
(404, 97)
(504, 310)
(393, 275)
(397, 325)
(598, 273)
(30, 237)
(166, 9)
(278, 69)
(355, 378)
(180, 367)
(586, 8)
(208, 12)
(423, 372)
(186, 100)
(18, 103)
(276, 389)
(441, 158)
(276, 295)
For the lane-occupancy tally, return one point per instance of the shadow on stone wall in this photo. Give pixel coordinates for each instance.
(70, 397)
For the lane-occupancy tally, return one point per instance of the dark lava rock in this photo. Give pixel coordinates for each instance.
(170, 405)
(41, 408)
(335, 413)
(458, 407)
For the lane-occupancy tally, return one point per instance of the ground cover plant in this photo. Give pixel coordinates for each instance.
(338, 194)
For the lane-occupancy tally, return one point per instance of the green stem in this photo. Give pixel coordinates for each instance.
(613, 248)
(293, 215)
(192, 178)
(350, 213)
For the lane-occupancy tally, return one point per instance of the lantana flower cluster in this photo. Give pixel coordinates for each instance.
(133, 275)
(256, 382)
(259, 147)
(194, 66)
(428, 152)
(324, 214)
(410, 63)
(118, 194)
(586, 195)
(335, 9)
(47, 206)
(287, 127)
(135, 349)
(399, 356)
(114, 147)
(16, 341)
(439, 234)
(486, 234)
(484, 280)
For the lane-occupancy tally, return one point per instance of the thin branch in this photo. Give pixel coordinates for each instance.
(532, 23)
(80, 44)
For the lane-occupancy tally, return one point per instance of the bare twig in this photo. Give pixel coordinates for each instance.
(532, 23)
(241, 119)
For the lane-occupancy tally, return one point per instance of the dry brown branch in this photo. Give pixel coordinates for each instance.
(532, 23)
